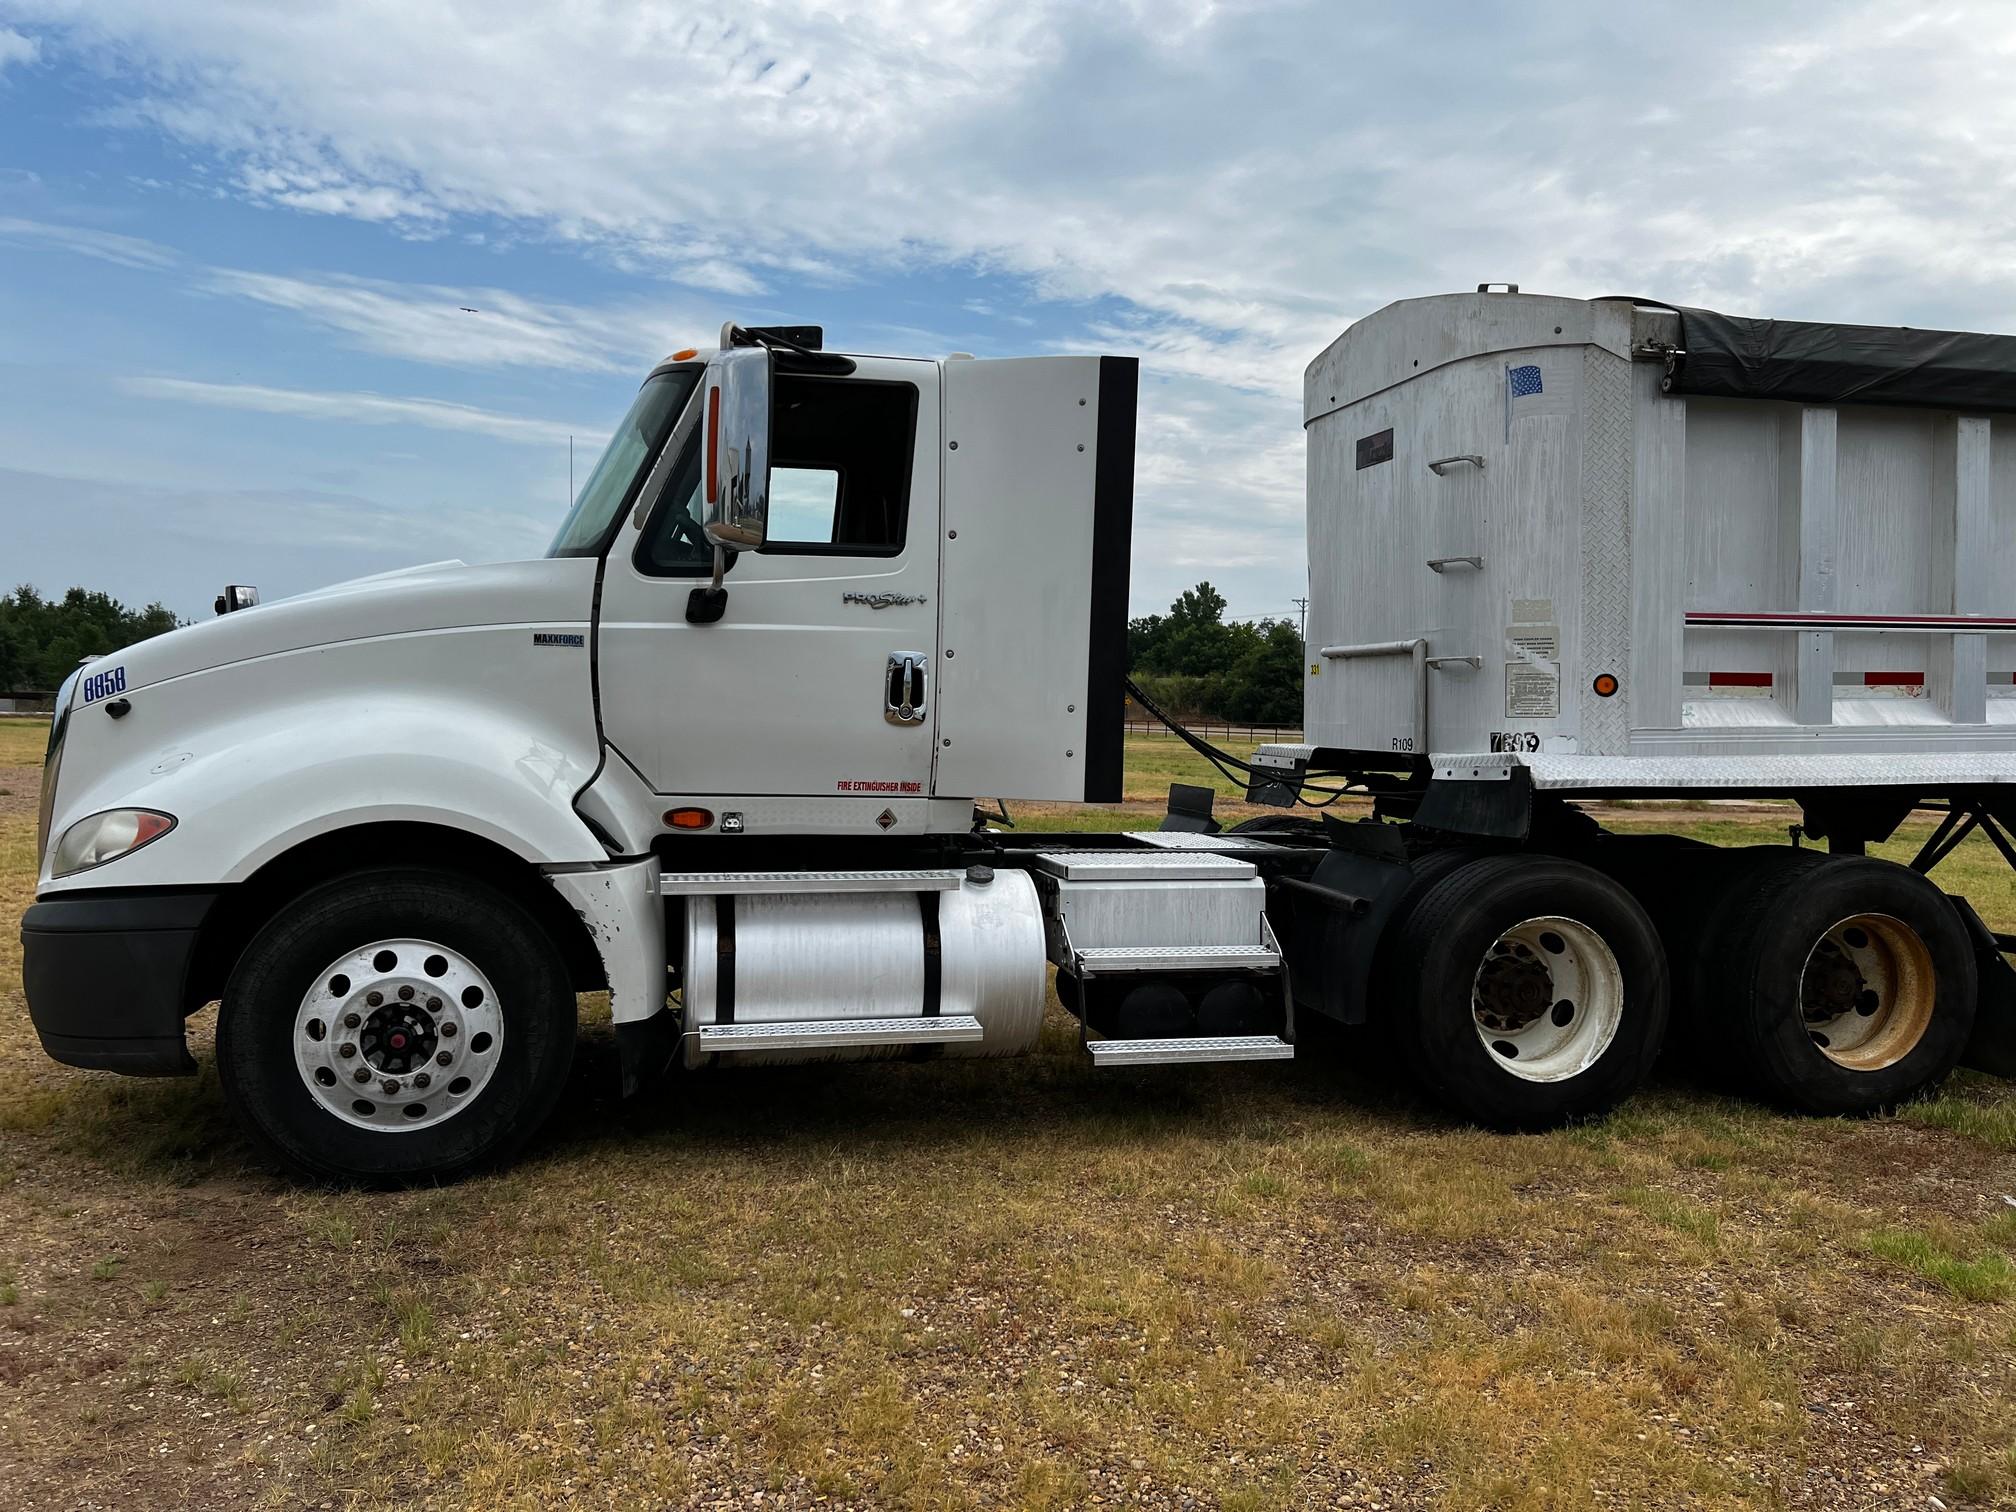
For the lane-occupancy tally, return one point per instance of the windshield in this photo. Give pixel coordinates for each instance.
(625, 463)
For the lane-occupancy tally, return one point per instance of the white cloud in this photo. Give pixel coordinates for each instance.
(362, 409)
(1241, 177)
(85, 241)
(15, 48)
(1218, 188)
(472, 327)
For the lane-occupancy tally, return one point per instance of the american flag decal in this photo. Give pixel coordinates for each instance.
(1523, 381)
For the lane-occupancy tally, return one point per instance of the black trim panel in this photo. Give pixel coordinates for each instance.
(1112, 546)
(106, 976)
(724, 959)
(934, 955)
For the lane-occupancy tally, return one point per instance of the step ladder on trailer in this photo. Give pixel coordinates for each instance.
(1162, 915)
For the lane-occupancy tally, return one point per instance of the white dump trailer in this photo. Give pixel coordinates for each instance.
(731, 749)
(1620, 547)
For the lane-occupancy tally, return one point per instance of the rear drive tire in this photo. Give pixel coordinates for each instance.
(1524, 991)
(396, 1026)
(1837, 985)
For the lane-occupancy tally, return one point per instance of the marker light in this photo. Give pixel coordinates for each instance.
(690, 818)
(686, 354)
(1605, 685)
(106, 837)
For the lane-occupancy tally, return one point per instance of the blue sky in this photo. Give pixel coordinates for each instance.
(236, 237)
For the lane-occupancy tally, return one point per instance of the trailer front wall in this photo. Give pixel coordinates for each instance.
(1761, 578)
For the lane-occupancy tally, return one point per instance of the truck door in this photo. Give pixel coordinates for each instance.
(819, 679)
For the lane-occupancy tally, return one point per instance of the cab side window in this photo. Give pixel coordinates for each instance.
(840, 457)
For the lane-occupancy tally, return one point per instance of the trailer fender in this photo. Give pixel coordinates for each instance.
(1336, 920)
(1992, 1048)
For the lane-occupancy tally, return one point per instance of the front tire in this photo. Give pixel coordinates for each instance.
(396, 1026)
(1525, 991)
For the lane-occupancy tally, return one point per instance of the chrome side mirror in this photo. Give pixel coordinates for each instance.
(738, 401)
(235, 597)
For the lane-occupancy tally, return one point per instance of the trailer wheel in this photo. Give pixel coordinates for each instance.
(1842, 985)
(395, 1026)
(1525, 990)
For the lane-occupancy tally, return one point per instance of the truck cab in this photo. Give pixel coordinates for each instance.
(807, 605)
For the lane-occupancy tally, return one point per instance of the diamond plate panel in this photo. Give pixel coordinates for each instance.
(1607, 468)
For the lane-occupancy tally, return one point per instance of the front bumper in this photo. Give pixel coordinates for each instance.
(107, 976)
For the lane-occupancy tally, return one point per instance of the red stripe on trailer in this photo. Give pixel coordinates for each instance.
(1739, 679)
(1893, 679)
(1821, 620)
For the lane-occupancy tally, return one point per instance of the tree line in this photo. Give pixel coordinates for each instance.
(43, 639)
(1192, 661)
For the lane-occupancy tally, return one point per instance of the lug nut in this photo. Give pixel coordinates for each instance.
(444, 1059)
(447, 1031)
(346, 1051)
(434, 1005)
(405, 994)
(351, 1020)
(390, 1086)
(423, 1081)
(374, 998)
(363, 1075)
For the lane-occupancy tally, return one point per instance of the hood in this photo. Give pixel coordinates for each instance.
(412, 600)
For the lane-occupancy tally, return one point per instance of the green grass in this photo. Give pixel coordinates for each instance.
(1984, 1276)
(22, 740)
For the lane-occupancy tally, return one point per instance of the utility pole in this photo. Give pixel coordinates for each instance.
(1303, 605)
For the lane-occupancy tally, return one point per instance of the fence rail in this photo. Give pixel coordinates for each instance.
(1218, 730)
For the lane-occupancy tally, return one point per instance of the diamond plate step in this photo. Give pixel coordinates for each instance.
(841, 1034)
(1109, 960)
(715, 884)
(1214, 1047)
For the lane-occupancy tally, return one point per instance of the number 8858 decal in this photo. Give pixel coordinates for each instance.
(104, 684)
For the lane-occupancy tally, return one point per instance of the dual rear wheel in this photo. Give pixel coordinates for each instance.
(1524, 991)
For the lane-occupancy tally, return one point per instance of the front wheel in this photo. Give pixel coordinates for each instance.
(396, 1026)
(1524, 991)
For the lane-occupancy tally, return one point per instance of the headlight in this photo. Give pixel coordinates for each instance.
(106, 837)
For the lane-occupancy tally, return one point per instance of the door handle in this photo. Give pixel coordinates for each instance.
(906, 686)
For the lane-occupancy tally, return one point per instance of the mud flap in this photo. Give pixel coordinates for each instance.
(1993, 1046)
(1338, 916)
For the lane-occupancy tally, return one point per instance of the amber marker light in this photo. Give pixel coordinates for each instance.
(1605, 685)
(690, 818)
(686, 354)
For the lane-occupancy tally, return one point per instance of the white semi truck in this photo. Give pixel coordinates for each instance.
(720, 750)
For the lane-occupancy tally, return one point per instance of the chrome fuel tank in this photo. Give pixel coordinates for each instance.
(812, 956)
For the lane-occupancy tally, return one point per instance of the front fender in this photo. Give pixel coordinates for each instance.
(472, 729)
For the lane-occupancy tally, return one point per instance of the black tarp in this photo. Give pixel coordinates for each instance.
(1816, 363)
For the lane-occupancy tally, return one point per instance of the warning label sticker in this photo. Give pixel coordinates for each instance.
(1532, 669)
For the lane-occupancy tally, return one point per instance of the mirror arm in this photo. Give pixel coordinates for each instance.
(705, 606)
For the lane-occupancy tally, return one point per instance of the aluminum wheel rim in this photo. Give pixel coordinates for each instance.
(1547, 999)
(398, 1035)
(1867, 992)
